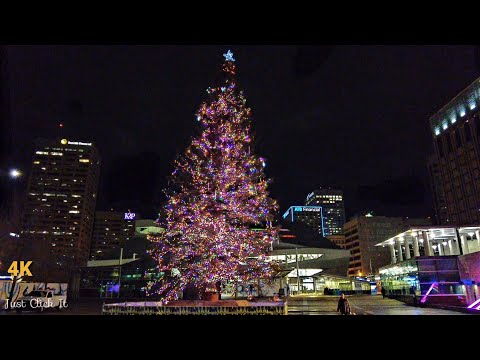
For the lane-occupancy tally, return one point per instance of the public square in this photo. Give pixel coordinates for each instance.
(301, 305)
(360, 305)
(195, 179)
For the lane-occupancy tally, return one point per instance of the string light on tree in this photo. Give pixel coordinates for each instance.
(216, 201)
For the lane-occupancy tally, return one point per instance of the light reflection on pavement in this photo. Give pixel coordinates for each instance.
(360, 304)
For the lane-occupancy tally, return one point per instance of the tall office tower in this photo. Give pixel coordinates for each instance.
(362, 233)
(310, 215)
(331, 201)
(454, 168)
(59, 211)
(111, 231)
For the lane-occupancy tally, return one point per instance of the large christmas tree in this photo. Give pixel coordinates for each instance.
(218, 216)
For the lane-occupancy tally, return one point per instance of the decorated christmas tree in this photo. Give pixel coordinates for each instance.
(218, 215)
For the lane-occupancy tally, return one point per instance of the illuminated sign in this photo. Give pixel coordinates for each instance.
(65, 142)
(309, 196)
(308, 208)
(317, 209)
(78, 143)
(129, 216)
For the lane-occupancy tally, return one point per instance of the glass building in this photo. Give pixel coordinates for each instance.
(439, 265)
(432, 279)
(331, 201)
(309, 215)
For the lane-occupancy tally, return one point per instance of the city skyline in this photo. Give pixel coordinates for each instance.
(348, 123)
(86, 101)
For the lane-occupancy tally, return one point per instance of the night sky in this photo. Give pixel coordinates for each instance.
(353, 117)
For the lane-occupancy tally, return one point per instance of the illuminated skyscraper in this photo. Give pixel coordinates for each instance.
(454, 168)
(57, 221)
(310, 215)
(331, 201)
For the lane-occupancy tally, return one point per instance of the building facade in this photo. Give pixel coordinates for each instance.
(338, 240)
(454, 168)
(57, 220)
(364, 232)
(111, 231)
(440, 264)
(309, 215)
(126, 277)
(331, 201)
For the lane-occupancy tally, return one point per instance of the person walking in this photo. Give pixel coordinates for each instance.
(383, 292)
(343, 305)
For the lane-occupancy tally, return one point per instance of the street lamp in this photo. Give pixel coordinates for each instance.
(15, 173)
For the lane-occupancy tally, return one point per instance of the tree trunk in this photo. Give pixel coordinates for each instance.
(191, 292)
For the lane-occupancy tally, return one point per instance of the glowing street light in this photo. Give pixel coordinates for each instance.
(14, 173)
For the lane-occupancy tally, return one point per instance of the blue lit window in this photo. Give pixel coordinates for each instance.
(461, 110)
(445, 125)
(437, 131)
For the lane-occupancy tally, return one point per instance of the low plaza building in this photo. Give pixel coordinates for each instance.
(436, 265)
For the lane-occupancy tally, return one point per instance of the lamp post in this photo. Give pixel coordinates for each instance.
(298, 272)
(120, 271)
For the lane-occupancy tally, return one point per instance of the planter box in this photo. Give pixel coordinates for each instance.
(196, 307)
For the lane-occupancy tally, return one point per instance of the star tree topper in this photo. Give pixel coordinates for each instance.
(229, 56)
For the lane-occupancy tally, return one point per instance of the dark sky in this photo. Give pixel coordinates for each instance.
(354, 117)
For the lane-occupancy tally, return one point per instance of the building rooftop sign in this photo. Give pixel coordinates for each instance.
(129, 216)
(66, 142)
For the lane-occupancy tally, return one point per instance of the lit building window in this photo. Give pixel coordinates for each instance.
(445, 125)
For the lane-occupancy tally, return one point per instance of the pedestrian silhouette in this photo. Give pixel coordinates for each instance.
(343, 305)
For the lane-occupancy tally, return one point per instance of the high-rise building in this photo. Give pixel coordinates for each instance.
(111, 231)
(362, 233)
(454, 168)
(59, 211)
(331, 201)
(310, 215)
